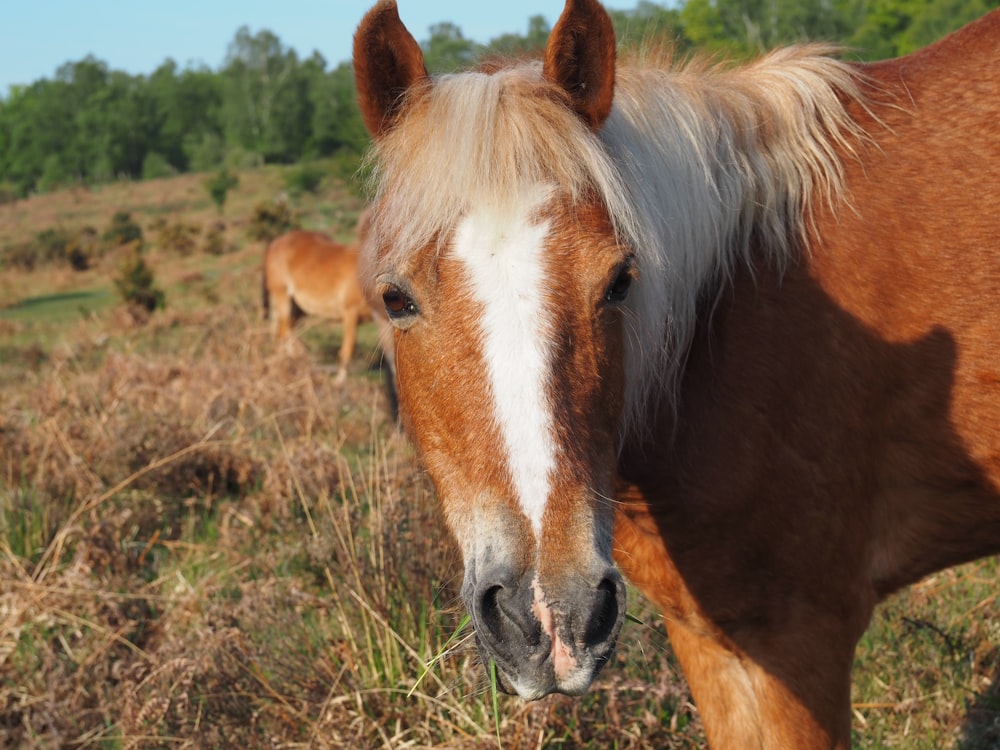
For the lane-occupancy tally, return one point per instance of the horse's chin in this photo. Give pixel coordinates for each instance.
(532, 691)
(533, 687)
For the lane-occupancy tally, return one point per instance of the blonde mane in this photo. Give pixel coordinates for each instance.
(698, 167)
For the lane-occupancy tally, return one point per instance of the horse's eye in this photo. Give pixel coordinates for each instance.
(397, 304)
(618, 290)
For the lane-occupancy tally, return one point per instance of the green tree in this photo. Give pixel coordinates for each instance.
(219, 185)
(889, 28)
(91, 124)
(39, 135)
(515, 44)
(649, 24)
(266, 107)
(748, 27)
(337, 126)
(447, 50)
(185, 108)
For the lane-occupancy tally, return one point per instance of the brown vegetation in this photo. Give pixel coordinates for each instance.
(204, 543)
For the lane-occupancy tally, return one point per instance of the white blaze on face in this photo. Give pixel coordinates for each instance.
(502, 254)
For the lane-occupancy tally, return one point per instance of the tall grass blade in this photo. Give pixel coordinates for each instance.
(440, 654)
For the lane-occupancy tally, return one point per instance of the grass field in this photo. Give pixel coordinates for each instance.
(204, 543)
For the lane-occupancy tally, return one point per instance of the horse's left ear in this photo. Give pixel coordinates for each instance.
(387, 62)
(580, 57)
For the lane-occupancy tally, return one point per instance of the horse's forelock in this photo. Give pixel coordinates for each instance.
(484, 138)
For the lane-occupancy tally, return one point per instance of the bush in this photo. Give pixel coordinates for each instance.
(8, 193)
(215, 240)
(203, 152)
(83, 248)
(21, 255)
(271, 219)
(123, 230)
(54, 245)
(156, 165)
(136, 285)
(305, 179)
(219, 185)
(54, 174)
(178, 237)
(50, 245)
(352, 170)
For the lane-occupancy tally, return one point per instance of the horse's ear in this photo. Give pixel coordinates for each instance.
(387, 62)
(580, 57)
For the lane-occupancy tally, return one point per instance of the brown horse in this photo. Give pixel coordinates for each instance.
(736, 329)
(308, 273)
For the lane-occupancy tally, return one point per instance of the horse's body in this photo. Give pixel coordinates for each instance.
(308, 272)
(758, 307)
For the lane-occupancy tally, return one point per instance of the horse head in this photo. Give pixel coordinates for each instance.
(506, 281)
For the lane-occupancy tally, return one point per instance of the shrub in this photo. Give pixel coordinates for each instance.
(353, 171)
(8, 193)
(54, 174)
(123, 230)
(83, 248)
(77, 257)
(219, 185)
(203, 152)
(215, 240)
(156, 165)
(50, 245)
(136, 285)
(271, 219)
(178, 237)
(305, 179)
(20, 255)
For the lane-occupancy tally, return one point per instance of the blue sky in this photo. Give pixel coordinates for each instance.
(37, 36)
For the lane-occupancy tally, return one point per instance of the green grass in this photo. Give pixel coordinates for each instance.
(60, 307)
(926, 667)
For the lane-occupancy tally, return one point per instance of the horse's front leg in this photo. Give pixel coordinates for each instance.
(279, 303)
(760, 683)
(783, 700)
(351, 318)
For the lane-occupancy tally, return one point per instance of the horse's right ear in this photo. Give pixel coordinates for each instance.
(580, 57)
(387, 62)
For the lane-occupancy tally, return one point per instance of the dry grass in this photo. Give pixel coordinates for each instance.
(203, 543)
(216, 547)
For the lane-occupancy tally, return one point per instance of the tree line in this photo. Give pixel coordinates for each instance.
(266, 104)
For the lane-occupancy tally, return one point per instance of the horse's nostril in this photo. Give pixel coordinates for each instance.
(489, 610)
(504, 615)
(604, 616)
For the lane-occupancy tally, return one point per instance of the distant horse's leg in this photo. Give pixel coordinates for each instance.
(284, 311)
(347, 345)
(280, 312)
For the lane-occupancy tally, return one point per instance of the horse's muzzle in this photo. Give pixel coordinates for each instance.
(546, 637)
